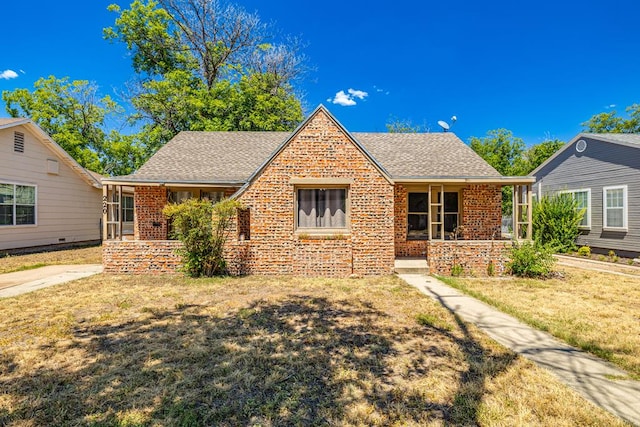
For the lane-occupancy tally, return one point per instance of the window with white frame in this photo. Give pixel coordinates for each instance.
(321, 208)
(615, 207)
(583, 201)
(17, 204)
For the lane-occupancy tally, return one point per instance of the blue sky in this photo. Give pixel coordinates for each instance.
(537, 68)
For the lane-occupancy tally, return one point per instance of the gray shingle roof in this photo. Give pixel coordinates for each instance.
(628, 138)
(421, 155)
(232, 157)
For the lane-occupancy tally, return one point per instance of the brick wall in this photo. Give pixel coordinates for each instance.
(482, 211)
(473, 255)
(404, 247)
(141, 257)
(149, 222)
(319, 150)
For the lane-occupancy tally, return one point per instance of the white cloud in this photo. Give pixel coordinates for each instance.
(358, 93)
(8, 74)
(343, 99)
(348, 99)
(611, 106)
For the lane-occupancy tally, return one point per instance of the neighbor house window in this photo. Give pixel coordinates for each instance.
(583, 201)
(321, 208)
(417, 214)
(615, 207)
(17, 204)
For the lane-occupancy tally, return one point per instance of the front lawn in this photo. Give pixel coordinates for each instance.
(137, 351)
(595, 311)
(85, 255)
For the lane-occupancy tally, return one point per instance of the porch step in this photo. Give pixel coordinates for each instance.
(408, 265)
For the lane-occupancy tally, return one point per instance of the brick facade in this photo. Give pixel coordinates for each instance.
(149, 222)
(141, 257)
(482, 212)
(320, 150)
(474, 256)
(264, 239)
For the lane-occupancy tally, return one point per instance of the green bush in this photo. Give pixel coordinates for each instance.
(457, 270)
(530, 260)
(203, 229)
(555, 222)
(584, 251)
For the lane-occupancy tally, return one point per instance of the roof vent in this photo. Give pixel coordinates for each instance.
(581, 145)
(18, 142)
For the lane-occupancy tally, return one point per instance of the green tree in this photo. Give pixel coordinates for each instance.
(395, 125)
(501, 150)
(504, 152)
(74, 115)
(611, 122)
(537, 154)
(206, 65)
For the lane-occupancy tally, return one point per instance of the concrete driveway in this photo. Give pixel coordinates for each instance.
(20, 282)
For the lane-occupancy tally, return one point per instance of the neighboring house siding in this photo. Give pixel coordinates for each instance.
(320, 150)
(601, 165)
(68, 209)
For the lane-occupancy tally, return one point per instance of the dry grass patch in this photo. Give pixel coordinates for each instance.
(597, 312)
(87, 255)
(137, 351)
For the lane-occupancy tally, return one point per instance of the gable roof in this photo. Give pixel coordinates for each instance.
(88, 176)
(235, 158)
(319, 109)
(626, 139)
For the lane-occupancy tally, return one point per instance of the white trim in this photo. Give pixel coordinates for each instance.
(588, 213)
(624, 208)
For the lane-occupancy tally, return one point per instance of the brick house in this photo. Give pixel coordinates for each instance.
(321, 201)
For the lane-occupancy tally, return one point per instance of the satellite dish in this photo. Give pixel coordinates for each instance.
(444, 125)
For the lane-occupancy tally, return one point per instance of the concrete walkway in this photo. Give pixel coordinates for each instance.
(598, 381)
(20, 282)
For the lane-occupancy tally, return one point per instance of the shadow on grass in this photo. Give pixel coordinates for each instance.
(297, 361)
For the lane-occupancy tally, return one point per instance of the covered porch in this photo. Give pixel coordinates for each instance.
(455, 225)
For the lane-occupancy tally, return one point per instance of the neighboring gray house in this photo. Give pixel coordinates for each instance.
(602, 172)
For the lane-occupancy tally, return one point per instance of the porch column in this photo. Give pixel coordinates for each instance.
(530, 211)
(105, 188)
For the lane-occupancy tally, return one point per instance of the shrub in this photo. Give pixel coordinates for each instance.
(555, 222)
(456, 270)
(203, 229)
(584, 251)
(491, 269)
(530, 260)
